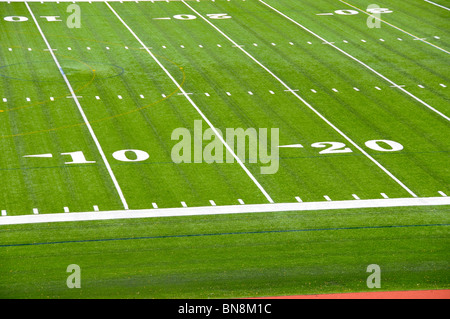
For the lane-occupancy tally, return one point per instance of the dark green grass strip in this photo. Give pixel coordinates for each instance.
(222, 234)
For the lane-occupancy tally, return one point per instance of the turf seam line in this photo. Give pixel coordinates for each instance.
(222, 234)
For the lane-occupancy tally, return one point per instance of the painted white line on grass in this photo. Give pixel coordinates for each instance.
(4, 212)
(306, 103)
(327, 198)
(384, 195)
(66, 210)
(360, 62)
(80, 109)
(355, 196)
(35, 211)
(183, 204)
(298, 199)
(442, 193)
(219, 136)
(96, 208)
(154, 205)
(438, 5)
(212, 203)
(241, 201)
(220, 210)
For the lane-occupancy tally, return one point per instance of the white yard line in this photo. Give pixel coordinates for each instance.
(437, 4)
(360, 62)
(83, 115)
(306, 103)
(218, 210)
(195, 107)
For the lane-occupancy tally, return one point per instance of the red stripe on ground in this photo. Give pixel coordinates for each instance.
(415, 294)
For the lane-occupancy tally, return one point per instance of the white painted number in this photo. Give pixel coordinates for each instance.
(185, 17)
(346, 12)
(218, 16)
(393, 146)
(379, 10)
(77, 158)
(140, 156)
(336, 147)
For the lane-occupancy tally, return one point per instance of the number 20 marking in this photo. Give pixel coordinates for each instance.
(338, 147)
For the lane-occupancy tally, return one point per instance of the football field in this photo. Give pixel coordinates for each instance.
(224, 106)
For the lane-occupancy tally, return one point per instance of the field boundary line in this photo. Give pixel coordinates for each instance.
(219, 136)
(395, 27)
(360, 62)
(80, 109)
(438, 5)
(307, 104)
(222, 210)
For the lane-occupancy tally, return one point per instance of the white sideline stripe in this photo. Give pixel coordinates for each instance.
(88, 125)
(231, 209)
(360, 62)
(437, 5)
(195, 107)
(307, 104)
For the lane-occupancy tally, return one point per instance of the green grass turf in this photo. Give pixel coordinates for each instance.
(239, 264)
(43, 126)
(228, 256)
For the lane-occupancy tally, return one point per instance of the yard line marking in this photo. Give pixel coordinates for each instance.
(4, 212)
(327, 198)
(360, 62)
(437, 5)
(154, 205)
(227, 209)
(66, 210)
(35, 211)
(443, 85)
(219, 136)
(384, 195)
(212, 203)
(96, 208)
(306, 103)
(80, 109)
(241, 201)
(40, 155)
(183, 204)
(395, 27)
(298, 199)
(355, 196)
(442, 193)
